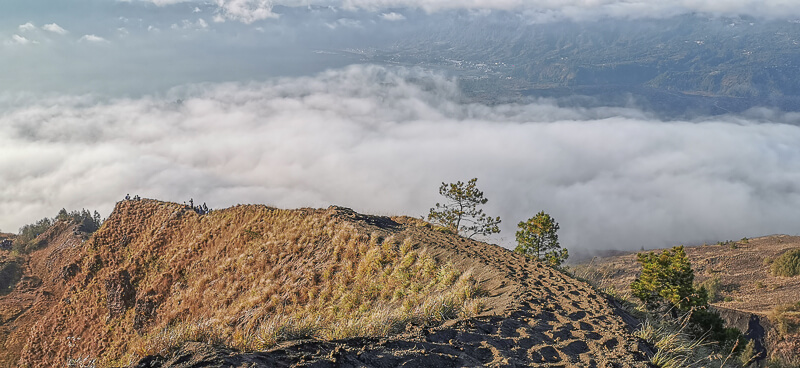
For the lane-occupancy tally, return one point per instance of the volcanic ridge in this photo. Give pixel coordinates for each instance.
(164, 285)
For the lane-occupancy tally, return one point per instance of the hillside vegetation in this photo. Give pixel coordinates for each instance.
(157, 275)
(787, 264)
(749, 281)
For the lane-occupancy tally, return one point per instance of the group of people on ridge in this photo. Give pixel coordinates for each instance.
(201, 210)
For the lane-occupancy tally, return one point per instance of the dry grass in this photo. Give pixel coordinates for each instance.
(157, 275)
(295, 276)
(676, 348)
(786, 318)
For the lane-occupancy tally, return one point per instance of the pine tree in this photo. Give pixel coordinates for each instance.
(460, 213)
(538, 238)
(667, 280)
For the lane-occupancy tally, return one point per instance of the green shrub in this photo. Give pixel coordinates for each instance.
(708, 323)
(787, 265)
(10, 273)
(26, 240)
(748, 354)
(786, 318)
(666, 281)
(712, 287)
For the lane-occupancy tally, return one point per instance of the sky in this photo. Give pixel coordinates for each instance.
(239, 101)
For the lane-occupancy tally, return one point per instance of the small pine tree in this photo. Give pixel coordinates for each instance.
(97, 220)
(667, 281)
(460, 213)
(537, 238)
(748, 355)
(63, 215)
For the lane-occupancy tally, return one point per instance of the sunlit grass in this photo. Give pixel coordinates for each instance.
(296, 276)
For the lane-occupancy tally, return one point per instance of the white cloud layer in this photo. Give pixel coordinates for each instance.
(92, 38)
(368, 138)
(55, 28)
(245, 11)
(393, 16)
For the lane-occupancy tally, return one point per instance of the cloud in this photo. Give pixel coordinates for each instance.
(382, 140)
(393, 16)
(245, 11)
(92, 39)
(55, 28)
(19, 40)
(186, 24)
(165, 2)
(344, 23)
(27, 27)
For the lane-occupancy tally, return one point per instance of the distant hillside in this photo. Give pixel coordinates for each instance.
(737, 273)
(157, 275)
(680, 66)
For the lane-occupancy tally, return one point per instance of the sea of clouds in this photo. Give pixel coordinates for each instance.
(381, 140)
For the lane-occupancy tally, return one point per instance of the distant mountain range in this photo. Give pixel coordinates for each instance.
(683, 65)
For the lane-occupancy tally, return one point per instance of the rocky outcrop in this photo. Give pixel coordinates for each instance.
(120, 294)
(145, 310)
(753, 326)
(68, 272)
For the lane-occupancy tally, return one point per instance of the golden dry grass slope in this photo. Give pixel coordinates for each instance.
(298, 287)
